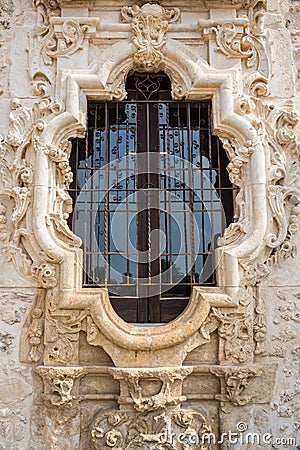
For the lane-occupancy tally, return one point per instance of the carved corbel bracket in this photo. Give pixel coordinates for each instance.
(245, 384)
(167, 385)
(236, 381)
(149, 25)
(59, 384)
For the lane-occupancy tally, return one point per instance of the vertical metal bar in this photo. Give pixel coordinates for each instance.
(171, 183)
(127, 191)
(191, 249)
(106, 207)
(212, 209)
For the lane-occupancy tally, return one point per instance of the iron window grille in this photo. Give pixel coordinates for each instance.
(152, 195)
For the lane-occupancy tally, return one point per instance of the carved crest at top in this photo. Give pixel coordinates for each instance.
(149, 25)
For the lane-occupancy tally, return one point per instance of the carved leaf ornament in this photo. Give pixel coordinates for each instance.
(149, 25)
(169, 430)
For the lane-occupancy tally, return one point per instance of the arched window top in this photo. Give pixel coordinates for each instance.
(151, 195)
(148, 87)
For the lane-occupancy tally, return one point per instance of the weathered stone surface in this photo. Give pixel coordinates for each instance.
(73, 374)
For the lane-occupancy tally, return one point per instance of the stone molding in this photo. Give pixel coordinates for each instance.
(259, 141)
(151, 410)
(100, 382)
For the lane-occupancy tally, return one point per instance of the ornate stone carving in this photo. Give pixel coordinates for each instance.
(62, 334)
(65, 42)
(282, 191)
(169, 430)
(235, 329)
(170, 381)
(149, 25)
(26, 126)
(236, 381)
(243, 38)
(239, 156)
(44, 32)
(259, 325)
(59, 384)
(35, 329)
(37, 146)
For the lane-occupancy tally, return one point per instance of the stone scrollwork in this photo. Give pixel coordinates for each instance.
(65, 42)
(244, 38)
(243, 45)
(168, 430)
(282, 191)
(233, 43)
(149, 25)
(61, 42)
(16, 168)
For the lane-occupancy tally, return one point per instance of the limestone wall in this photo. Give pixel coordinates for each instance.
(62, 360)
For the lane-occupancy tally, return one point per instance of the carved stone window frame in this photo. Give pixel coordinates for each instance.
(250, 130)
(78, 86)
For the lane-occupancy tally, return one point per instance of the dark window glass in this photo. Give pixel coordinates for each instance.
(151, 195)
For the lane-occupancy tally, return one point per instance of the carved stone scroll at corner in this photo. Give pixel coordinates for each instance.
(65, 42)
(244, 38)
(55, 39)
(283, 192)
(149, 25)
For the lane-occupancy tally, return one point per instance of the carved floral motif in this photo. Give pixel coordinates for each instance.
(169, 430)
(149, 26)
